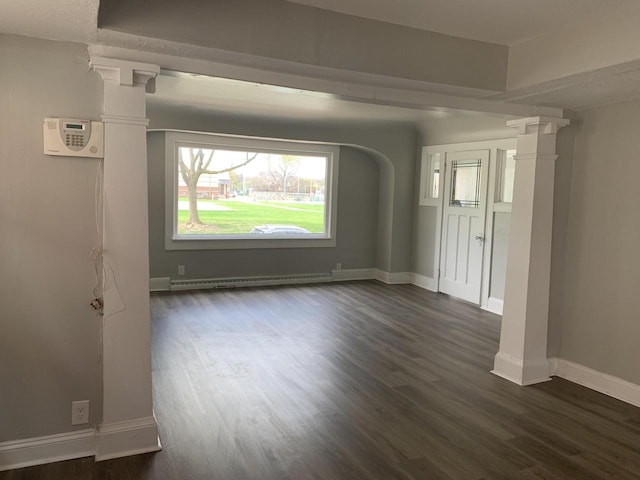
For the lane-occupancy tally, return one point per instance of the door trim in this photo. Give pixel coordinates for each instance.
(491, 205)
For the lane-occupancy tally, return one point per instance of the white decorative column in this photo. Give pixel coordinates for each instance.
(128, 426)
(522, 358)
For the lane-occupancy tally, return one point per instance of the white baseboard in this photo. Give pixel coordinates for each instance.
(382, 276)
(353, 274)
(107, 441)
(512, 370)
(122, 439)
(47, 449)
(160, 284)
(600, 382)
(495, 305)
(427, 283)
(518, 372)
(393, 278)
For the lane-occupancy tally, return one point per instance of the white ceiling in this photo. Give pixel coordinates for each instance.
(74, 20)
(497, 21)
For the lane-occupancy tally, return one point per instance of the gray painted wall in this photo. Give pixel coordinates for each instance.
(49, 345)
(561, 198)
(397, 143)
(357, 226)
(425, 241)
(280, 30)
(601, 285)
(499, 249)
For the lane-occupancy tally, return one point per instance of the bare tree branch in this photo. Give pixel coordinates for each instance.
(206, 164)
(249, 159)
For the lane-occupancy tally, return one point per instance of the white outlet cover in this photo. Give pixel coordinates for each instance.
(80, 412)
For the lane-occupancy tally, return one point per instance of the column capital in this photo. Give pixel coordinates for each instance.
(542, 125)
(126, 73)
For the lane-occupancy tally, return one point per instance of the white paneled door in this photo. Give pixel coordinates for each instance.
(463, 224)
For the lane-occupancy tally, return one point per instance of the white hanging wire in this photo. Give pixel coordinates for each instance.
(104, 271)
(96, 252)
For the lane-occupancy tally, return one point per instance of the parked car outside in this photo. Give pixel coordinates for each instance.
(279, 230)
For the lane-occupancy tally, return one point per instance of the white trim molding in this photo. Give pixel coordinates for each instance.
(47, 449)
(393, 278)
(121, 439)
(125, 120)
(159, 284)
(520, 372)
(425, 282)
(341, 83)
(353, 274)
(126, 73)
(494, 305)
(131, 437)
(600, 382)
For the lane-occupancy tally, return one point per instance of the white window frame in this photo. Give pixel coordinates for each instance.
(499, 205)
(174, 241)
(427, 177)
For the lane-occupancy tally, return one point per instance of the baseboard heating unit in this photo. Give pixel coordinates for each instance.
(210, 283)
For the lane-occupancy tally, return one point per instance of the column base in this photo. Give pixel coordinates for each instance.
(131, 437)
(521, 372)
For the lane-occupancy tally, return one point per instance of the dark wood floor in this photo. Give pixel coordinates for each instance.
(355, 381)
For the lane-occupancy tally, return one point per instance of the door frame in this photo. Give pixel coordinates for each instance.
(493, 205)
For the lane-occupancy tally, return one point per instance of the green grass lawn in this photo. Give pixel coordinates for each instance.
(243, 216)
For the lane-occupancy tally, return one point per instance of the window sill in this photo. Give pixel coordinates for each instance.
(243, 243)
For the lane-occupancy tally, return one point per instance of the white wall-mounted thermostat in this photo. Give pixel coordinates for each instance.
(73, 138)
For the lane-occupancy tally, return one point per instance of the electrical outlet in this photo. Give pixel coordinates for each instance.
(80, 412)
(338, 266)
(180, 269)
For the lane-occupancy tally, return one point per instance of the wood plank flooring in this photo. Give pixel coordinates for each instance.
(355, 381)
